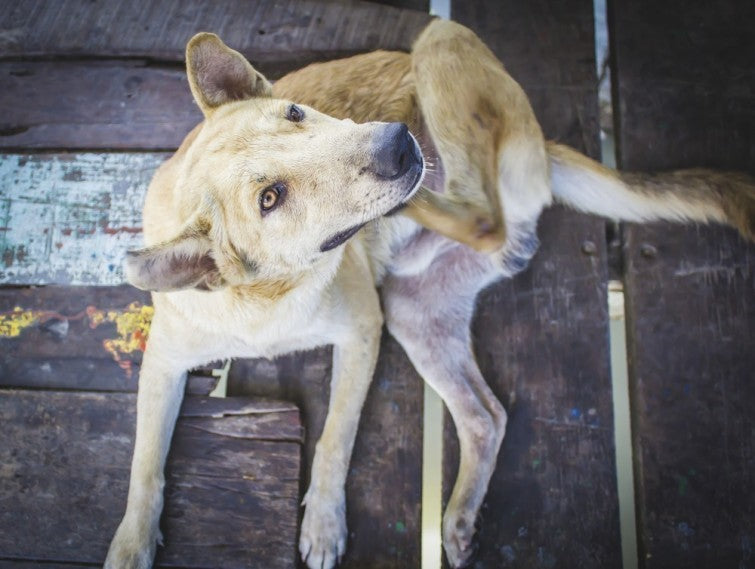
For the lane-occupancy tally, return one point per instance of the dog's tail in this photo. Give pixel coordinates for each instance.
(695, 195)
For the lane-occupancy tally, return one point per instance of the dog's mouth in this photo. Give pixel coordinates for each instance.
(340, 238)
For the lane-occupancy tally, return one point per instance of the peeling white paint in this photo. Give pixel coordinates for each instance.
(69, 218)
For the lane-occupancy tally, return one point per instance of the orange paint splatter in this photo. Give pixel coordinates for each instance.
(131, 326)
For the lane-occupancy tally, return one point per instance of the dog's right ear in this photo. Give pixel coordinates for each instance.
(219, 75)
(181, 263)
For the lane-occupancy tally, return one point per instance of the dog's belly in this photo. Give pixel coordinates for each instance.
(425, 249)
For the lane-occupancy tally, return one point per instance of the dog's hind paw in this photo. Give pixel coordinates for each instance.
(459, 540)
(323, 532)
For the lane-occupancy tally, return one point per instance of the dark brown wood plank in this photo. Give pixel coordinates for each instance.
(541, 339)
(685, 82)
(686, 90)
(276, 36)
(384, 488)
(384, 485)
(17, 564)
(95, 105)
(232, 483)
(691, 324)
(88, 338)
(73, 337)
(422, 5)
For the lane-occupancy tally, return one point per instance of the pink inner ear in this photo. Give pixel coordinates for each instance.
(222, 75)
(236, 83)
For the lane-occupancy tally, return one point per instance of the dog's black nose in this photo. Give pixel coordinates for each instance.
(395, 153)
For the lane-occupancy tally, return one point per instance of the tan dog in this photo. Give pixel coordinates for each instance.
(255, 249)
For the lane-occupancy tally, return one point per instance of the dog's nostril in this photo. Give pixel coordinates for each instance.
(394, 152)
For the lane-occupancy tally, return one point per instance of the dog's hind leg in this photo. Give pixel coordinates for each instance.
(161, 389)
(430, 316)
(487, 137)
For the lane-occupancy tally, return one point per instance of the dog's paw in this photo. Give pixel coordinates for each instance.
(133, 547)
(323, 531)
(458, 539)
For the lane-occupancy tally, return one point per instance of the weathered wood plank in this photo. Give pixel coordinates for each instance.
(276, 36)
(691, 324)
(118, 105)
(422, 5)
(232, 479)
(89, 338)
(106, 104)
(69, 218)
(18, 564)
(542, 337)
(384, 484)
(686, 91)
(685, 82)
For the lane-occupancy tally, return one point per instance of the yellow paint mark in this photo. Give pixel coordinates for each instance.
(14, 322)
(132, 326)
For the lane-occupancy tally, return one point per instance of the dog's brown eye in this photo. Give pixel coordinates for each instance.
(271, 197)
(294, 113)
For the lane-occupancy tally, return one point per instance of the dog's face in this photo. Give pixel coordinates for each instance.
(271, 187)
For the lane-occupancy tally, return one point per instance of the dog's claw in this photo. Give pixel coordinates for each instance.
(459, 540)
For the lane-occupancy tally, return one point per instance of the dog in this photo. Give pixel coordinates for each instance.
(271, 227)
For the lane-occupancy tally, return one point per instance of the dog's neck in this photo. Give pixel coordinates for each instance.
(273, 288)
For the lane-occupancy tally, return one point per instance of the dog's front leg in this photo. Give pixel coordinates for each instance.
(323, 532)
(161, 389)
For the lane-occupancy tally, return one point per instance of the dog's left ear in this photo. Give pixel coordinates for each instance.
(219, 75)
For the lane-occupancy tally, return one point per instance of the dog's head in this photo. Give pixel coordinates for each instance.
(269, 188)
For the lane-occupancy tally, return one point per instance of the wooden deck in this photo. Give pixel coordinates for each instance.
(95, 97)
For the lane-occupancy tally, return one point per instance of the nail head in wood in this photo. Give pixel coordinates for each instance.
(648, 251)
(589, 248)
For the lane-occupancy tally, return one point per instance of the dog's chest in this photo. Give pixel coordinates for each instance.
(225, 326)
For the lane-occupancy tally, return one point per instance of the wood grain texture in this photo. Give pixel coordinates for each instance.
(685, 83)
(17, 564)
(276, 36)
(541, 339)
(691, 323)
(69, 218)
(421, 5)
(232, 479)
(110, 105)
(88, 338)
(686, 91)
(383, 490)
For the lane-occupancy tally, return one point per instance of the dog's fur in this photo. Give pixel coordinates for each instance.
(287, 279)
